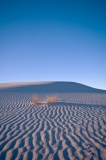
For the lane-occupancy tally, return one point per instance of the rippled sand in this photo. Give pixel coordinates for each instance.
(74, 128)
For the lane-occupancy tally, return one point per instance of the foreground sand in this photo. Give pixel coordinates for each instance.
(73, 128)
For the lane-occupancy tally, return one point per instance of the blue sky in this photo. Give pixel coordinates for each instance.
(53, 41)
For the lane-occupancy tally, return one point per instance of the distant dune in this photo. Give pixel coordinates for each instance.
(50, 87)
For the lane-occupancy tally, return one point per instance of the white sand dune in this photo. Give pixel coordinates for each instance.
(73, 128)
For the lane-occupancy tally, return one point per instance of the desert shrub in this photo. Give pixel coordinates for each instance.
(51, 99)
(35, 99)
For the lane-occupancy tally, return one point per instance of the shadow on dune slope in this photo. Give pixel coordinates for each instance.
(53, 87)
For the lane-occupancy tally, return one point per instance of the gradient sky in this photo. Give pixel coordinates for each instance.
(53, 40)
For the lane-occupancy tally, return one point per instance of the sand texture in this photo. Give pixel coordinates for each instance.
(74, 128)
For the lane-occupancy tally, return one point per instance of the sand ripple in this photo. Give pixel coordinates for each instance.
(55, 131)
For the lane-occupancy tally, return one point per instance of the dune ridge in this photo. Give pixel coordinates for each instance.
(73, 128)
(50, 87)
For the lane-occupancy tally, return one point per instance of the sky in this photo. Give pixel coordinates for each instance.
(53, 40)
